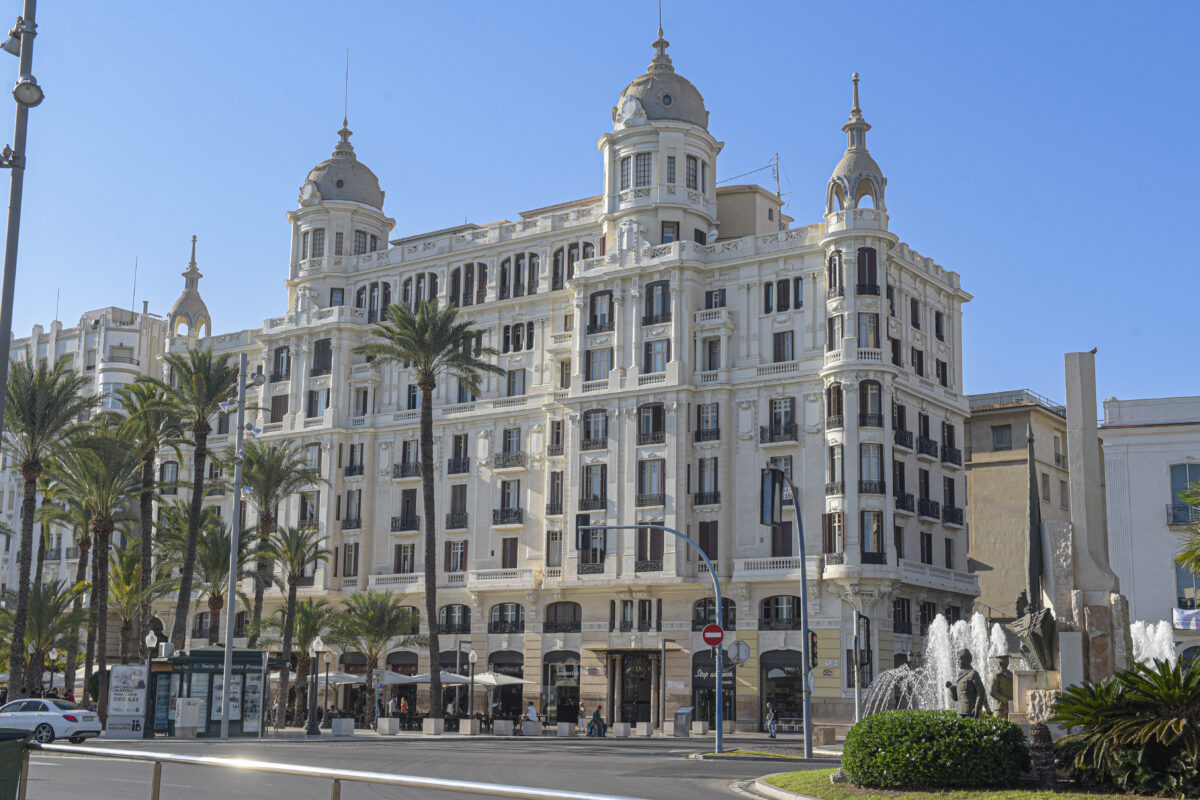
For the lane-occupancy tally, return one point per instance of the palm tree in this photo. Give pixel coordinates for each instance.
(295, 549)
(371, 624)
(436, 345)
(272, 472)
(42, 402)
(152, 421)
(101, 468)
(314, 617)
(200, 382)
(127, 594)
(51, 621)
(212, 559)
(64, 508)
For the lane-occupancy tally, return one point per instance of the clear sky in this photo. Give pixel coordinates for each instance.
(1045, 151)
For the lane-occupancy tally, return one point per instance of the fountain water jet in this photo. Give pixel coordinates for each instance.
(1152, 640)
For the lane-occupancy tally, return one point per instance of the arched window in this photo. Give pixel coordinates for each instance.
(386, 297)
(454, 619)
(413, 624)
(563, 617)
(864, 194)
(507, 618)
(360, 298)
(535, 264)
(200, 625)
(468, 285)
(839, 198)
(868, 280)
(703, 614)
(455, 286)
(833, 275)
(834, 406)
(780, 613)
(595, 430)
(870, 409)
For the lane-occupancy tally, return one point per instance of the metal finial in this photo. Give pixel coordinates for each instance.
(192, 263)
(855, 80)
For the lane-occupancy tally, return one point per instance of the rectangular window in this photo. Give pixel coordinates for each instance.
(714, 298)
(836, 468)
(711, 354)
(868, 329)
(516, 382)
(658, 302)
(902, 615)
(768, 297)
(657, 354)
(891, 301)
(706, 416)
(692, 175)
(833, 332)
(554, 548)
(625, 166)
(309, 508)
(898, 542)
(923, 484)
(948, 492)
(597, 364)
(709, 541)
(511, 441)
(926, 547)
(279, 407)
(872, 532)
(350, 560)
(928, 614)
(782, 412)
(670, 169)
(642, 169)
(708, 476)
(456, 556)
(405, 559)
(554, 495)
(600, 318)
(670, 232)
(650, 476)
(458, 498)
(510, 494)
(704, 177)
(895, 345)
(939, 326)
(318, 243)
(338, 239)
(918, 362)
(781, 540)
(360, 242)
(649, 546)
(783, 295)
(337, 297)
(699, 236)
(870, 468)
(943, 376)
(1064, 495)
(949, 554)
(1002, 437)
(508, 552)
(915, 312)
(595, 482)
(354, 504)
(782, 345)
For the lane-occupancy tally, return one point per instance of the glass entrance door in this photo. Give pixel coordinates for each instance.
(635, 688)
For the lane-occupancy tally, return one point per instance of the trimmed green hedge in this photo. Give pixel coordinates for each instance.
(911, 749)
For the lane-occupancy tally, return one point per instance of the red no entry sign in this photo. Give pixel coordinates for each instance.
(713, 634)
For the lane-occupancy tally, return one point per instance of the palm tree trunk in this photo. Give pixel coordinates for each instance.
(124, 639)
(431, 606)
(85, 544)
(302, 675)
(266, 524)
(16, 657)
(39, 568)
(103, 530)
(146, 550)
(215, 604)
(369, 689)
(183, 604)
(93, 603)
(33, 675)
(289, 626)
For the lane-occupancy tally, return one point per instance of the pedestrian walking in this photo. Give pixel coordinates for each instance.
(597, 726)
(391, 707)
(771, 720)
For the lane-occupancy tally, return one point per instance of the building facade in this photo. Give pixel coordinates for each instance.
(661, 342)
(998, 488)
(1151, 454)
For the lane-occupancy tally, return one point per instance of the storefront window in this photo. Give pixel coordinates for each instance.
(704, 688)
(782, 684)
(560, 686)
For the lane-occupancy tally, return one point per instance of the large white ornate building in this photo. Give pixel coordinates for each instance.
(661, 342)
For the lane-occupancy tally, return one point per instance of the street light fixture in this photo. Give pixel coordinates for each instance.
(472, 658)
(151, 641)
(53, 658)
(325, 700)
(313, 726)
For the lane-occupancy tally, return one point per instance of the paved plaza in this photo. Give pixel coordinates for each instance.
(656, 769)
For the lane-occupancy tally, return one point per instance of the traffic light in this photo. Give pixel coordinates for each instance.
(812, 649)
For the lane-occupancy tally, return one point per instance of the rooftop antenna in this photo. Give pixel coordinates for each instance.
(57, 295)
(346, 95)
(133, 299)
(778, 188)
(660, 15)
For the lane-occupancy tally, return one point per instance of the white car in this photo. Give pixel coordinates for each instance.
(50, 719)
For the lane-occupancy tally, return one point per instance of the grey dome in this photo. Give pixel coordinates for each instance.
(663, 93)
(343, 177)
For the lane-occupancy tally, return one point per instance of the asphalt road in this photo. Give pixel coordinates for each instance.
(651, 769)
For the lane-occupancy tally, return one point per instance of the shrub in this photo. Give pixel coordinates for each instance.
(1137, 732)
(930, 749)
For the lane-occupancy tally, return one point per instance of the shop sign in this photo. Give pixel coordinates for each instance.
(703, 676)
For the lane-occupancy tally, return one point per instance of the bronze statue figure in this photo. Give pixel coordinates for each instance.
(968, 691)
(1001, 689)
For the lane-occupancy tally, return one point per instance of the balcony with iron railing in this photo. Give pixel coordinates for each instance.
(780, 624)
(591, 565)
(554, 449)
(952, 515)
(835, 559)
(870, 420)
(454, 627)
(352, 470)
(593, 503)
(872, 487)
(905, 502)
(458, 466)
(508, 516)
(927, 447)
(554, 509)
(406, 469)
(594, 444)
(351, 523)
(282, 375)
(456, 520)
(769, 434)
(406, 522)
(705, 498)
(1060, 460)
(625, 625)
(72, 553)
(835, 488)
(877, 559)
(867, 288)
(951, 455)
(834, 291)
(834, 421)
(903, 626)
(645, 499)
(214, 487)
(929, 508)
(508, 460)
(707, 434)
(506, 626)
(318, 371)
(603, 326)
(656, 319)
(654, 437)
(1182, 514)
(648, 565)
(903, 438)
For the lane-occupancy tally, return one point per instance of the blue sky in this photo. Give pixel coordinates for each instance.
(1045, 151)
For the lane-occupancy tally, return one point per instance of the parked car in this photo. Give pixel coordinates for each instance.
(50, 719)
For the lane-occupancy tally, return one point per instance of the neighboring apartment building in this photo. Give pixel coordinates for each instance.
(998, 488)
(111, 347)
(1151, 454)
(650, 370)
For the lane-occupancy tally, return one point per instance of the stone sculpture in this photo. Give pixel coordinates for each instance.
(1001, 690)
(968, 691)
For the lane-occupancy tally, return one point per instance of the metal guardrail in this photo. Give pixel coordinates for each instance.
(336, 776)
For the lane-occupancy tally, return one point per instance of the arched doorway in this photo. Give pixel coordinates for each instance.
(782, 684)
(704, 687)
(403, 662)
(507, 701)
(560, 686)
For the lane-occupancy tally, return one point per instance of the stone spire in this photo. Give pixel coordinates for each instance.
(856, 127)
(661, 61)
(189, 310)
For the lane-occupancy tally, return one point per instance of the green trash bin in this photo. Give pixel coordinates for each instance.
(12, 749)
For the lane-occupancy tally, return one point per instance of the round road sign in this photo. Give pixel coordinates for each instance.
(713, 634)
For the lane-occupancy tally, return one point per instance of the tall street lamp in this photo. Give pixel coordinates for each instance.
(325, 701)
(235, 528)
(472, 657)
(313, 726)
(151, 641)
(53, 658)
(28, 94)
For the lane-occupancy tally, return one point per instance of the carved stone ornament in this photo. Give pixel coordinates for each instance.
(629, 113)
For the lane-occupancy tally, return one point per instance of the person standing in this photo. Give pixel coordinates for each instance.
(771, 720)
(597, 723)
(391, 706)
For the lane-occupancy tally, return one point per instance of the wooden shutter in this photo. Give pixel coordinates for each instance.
(645, 356)
(335, 562)
(656, 545)
(464, 556)
(612, 615)
(604, 481)
(446, 565)
(396, 558)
